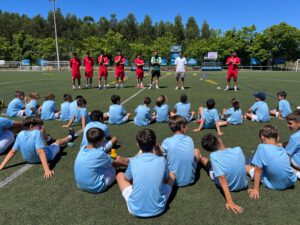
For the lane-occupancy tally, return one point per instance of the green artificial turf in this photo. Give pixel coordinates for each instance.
(31, 199)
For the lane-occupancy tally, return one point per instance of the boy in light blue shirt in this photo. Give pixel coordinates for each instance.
(97, 122)
(272, 164)
(181, 154)
(161, 110)
(208, 118)
(233, 115)
(16, 107)
(146, 185)
(183, 108)
(94, 169)
(65, 108)
(293, 146)
(143, 113)
(117, 114)
(81, 115)
(73, 106)
(226, 167)
(48, 109)
(259, 111)
(31, 144)
(32, 108)
(284, 107)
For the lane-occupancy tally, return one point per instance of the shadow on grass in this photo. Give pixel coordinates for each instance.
(14, 165)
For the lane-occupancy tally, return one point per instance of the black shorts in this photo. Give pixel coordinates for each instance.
(155, 73)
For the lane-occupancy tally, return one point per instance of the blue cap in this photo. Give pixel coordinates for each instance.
(260, 95)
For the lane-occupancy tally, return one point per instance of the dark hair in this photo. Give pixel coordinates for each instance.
(210, 103)
(282, 94)
(74, 54)
(81, 102)
(183, 98)
(294, 116)
(269, 131)
(96, 115)
(115, 99)
(18, 94)
(235, 104)
(210, 142)
(78, 97)
(119, 50)
(176, 123)
(147, 100)
(160, 100)
(32, 121)
(50, 96)
(67, 98)
(146, 140)
(94, 135)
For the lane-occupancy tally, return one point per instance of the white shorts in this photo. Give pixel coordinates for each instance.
(110, 176)
(6, 139)
(54, 148)
(180, 74)
(254, 118)
(295, 164)
(56, 115)
(167, 189)
(21, 113)
(251, 173)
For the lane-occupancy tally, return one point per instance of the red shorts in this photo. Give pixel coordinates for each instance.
(232, 73)
(120, 74)
(76, 75)
(89, 74)
(102, 73)
(140, 74)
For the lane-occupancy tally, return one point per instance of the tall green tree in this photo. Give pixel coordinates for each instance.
(192, 31)
(178, 30)
(205, 30)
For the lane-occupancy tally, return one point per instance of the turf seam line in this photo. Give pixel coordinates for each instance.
(15, 82)
(15, 175)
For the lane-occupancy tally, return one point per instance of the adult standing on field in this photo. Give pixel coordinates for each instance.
(233, 63)
(155, 63)
(75, 66)
(120, 61)
(88, 63)
(103, 64)
(180, 63)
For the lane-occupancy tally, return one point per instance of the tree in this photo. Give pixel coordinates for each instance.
(178, 30)
(104, 26)
(113, 23)
(5, 49)
(163, 44)
(205, 31)
(192, 30)
(146, 30)
(128, 27)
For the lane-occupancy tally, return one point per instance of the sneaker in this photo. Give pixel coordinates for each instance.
(122, 86)
(71, 133)
(226, 89)
(176, 88)
(157, 87)
(150, 86)
(235, 88)
(99, 88)
(182, 88)
(142, 86)
(137, 86)
(79, 87)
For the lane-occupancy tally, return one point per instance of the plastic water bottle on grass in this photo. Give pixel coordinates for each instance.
(251, 157)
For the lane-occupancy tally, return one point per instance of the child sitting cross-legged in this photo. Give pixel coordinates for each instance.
(233, 115)
(48, 109)
(117, 114)
(32, 105)
(284, 107)
(161, 110)
(143, 113)
(16, 107)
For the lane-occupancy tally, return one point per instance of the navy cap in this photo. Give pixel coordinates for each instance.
(260, 95)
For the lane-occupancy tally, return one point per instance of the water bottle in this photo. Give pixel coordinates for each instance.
(251, 157)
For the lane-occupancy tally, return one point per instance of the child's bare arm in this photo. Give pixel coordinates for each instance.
(121, 161)
(220, 133)
(229, 202)
(70, 122)
(8, 157)
(200, 126)
(83, 122)
(254, 193)
(249, 110)
(48, 173)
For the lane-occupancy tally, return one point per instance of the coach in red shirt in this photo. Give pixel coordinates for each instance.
(120, 61)
(75, 66)
(103, 64)
(88, 62)
(139, 64)
(233, 63)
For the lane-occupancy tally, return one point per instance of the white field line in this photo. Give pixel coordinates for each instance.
(292, 81)
(23, 169)
(15, 82)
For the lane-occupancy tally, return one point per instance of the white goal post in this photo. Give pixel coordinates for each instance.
(297, 65)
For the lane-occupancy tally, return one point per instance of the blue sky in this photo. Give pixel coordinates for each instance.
(220, 14)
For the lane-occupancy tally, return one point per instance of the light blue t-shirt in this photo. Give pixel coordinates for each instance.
(147, 171)
(90, 167)
(261, 110)
(293, 147)
(284, 107)
(48, 110)
(116, 114)
(142, 115)
(5, 124)
(179, 150)
(73, 108)
(82, 112)
(230, 163)
(94, 124)
(65, 111)
(28, 142)
(32, 104)
(235, 116)
(162, 113)
(277, 172)
(183, 109)
(14, 107)
(210, 117)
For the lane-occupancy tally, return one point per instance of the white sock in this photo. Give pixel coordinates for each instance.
(73, 86)
(298, 174)
(69, 137)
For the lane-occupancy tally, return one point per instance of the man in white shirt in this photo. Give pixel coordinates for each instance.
(180, 63)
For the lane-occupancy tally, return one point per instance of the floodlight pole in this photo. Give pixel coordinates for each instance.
(55, 31)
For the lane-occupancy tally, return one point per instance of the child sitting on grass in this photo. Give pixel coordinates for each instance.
(272, 164)
(233, 115)
(161, 110)
(94, 169)
(181, 154)
(48, 109)
(16, 108)
(226, 167)
(284, 107)
(97, 122)
(259, 112)
(143, 114)
(73, 106)
(31, 144)
(146, 185)
(65, 108)
(117, 114)
(32, 106)
(81, 115)
(208, 118)
(183, 108)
